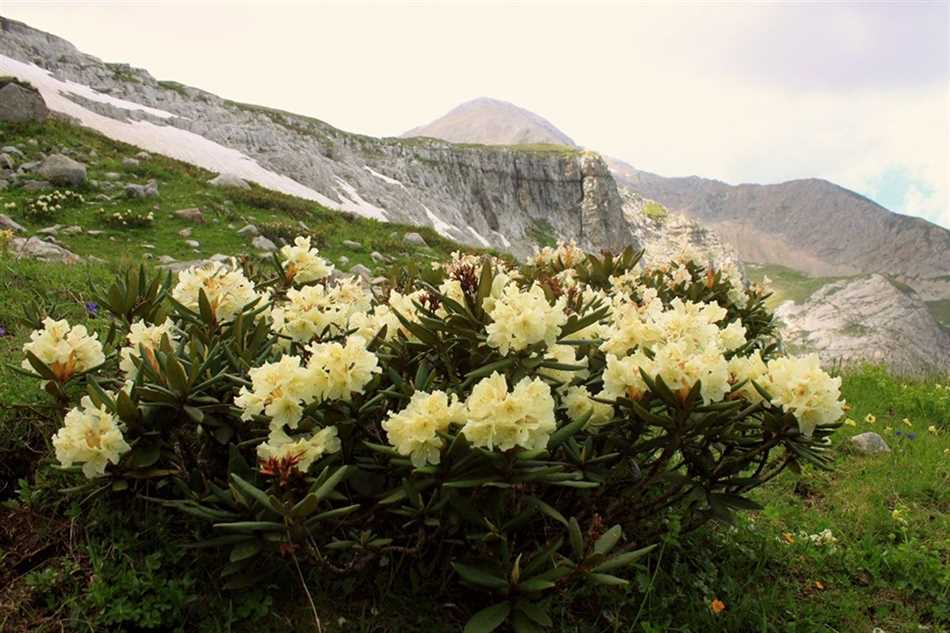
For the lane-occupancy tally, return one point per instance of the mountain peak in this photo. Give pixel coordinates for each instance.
(489, 121)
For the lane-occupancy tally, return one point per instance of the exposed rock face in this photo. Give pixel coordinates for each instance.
(664, 235)
(868, 319)
(19, 104)
(228, 180)
(484, 196)
(809, 225)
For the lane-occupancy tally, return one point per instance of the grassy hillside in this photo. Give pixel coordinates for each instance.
(788, 284)
(184, 186)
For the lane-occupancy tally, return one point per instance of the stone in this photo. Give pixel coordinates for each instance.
(94, 232)
(3, 184)
(9, 224)
(248, 230)
(50, 230)
(111, 175)
(166, 259)
(192, 243)
(19, 104)
(352, 245)
(414, 239)
(263, 244)
(143, 155)
(192, 214)
(219, 258)
(229, 180)
(149, 190)
(71, 230)
(36, 185)
(62, 170)
(7, 161)
(130, 162)
(30, 166)
(344, 260)
(35, 248)
(15, 151)
(869, 443)
(378, 281)
(362, 271)
(150, 247)
(184, 233)
(102, 197)
(377, 257)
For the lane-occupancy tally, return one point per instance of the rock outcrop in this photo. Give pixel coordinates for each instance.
(20, 103)
(870, 319)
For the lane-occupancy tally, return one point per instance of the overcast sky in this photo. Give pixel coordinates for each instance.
(858, 93)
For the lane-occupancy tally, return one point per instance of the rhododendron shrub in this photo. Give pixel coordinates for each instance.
(513, 429)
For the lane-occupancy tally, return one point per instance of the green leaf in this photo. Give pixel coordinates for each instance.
(577, 539)
(607, 579)
(245, 550)
(488, 619)
(533, 585)
(623, 560)
(606, 542)
(520, 623)
(253, 492)
(548, 510)
(479, 577)
(536, 612)
(331, 483)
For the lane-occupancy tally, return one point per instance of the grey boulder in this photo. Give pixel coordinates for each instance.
(6, 222)
(263, 244)
(229, 180)
(869, 443)
(62, 170)
(192, 214)
(19, 104)
(414, 239)
(35, 248)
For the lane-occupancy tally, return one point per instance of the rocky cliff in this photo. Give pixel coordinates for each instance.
(869, 318)
(485, 196)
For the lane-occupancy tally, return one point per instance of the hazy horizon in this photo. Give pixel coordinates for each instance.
(855, 93)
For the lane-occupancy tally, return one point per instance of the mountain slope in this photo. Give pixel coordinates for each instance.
(483, 196)
(492, 122)
(810, 225)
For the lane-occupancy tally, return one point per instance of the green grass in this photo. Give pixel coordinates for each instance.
(788, 284)
(183, 186)
(542, 233)
(655, 210)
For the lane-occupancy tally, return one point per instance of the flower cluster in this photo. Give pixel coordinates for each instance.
(565, 254)
(127, 219)
(90, 436)
(145, 337)
(522, 318)
(415, 431)
(227, 290)
(303, 264)
(319, 310)
(497, 418)
(66, 350)
(49, 205)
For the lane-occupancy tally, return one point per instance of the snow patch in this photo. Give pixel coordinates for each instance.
(479, 237)
(441, 227)
(160, 139)
(384, 178)
(353, 203)
(504, 240)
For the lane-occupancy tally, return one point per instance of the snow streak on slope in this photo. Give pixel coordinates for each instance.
(441, 227)
(384, 178)
(353, 203)
(166, 139)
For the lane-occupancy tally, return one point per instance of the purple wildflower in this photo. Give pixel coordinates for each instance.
(92, 308)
